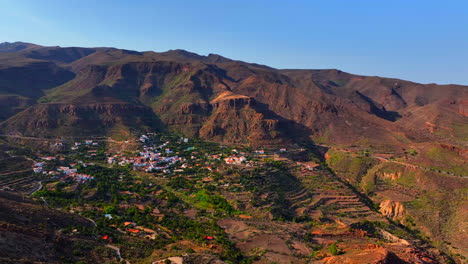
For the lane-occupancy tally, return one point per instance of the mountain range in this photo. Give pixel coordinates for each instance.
(55, 91)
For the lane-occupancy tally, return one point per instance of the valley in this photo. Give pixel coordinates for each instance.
(117, 156)
(165, 196)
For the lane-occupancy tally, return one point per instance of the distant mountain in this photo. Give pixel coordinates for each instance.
(68, 91)
(16, 46)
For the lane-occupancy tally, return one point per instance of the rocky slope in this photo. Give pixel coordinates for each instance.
(32, 233)
(428, 201)
(82, 119)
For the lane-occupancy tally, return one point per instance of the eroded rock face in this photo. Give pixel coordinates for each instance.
(391, 175)
(79, 119)
(392, 209)
(240, 119)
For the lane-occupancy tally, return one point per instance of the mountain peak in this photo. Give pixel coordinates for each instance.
(184, 54)
(217, 58)
(16, 46)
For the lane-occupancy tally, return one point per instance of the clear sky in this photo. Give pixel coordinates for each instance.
(419, 40)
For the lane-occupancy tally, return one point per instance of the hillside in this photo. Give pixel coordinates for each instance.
(183, 90)
(33, 233)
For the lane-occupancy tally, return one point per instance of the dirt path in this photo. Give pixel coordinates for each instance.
(418, 167)
(45, 202)
(91, 220)
(117, 252)
(398, 162)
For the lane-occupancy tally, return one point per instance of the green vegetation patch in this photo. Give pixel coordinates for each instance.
(352, 166)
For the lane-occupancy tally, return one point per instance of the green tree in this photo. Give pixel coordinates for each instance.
(110, 209)
(333, 249)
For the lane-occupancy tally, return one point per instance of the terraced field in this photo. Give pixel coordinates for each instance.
(324, 195)
(16, 174)
(23, 185)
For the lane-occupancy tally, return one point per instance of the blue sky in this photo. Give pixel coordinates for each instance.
(419, 40)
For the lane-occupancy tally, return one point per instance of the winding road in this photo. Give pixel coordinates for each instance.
(38, 188)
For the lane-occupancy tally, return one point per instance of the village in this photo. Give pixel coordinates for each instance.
(157, 191)
(152, 158)
(175, 195)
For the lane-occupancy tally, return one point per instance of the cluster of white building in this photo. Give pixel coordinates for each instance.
(235, 160)
(38, 167)
(67, 170)
(87, 142)
(149, 160)
(79, 177)
(144, 138)
(63, 172)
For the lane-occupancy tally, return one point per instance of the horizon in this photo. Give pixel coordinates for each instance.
(206, 55)
(409, 41)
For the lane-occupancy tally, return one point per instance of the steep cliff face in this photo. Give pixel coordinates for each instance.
(194, 99)
(392, 175)
(392, 209)
(241, 119)
(331, 115)
(80, 119)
